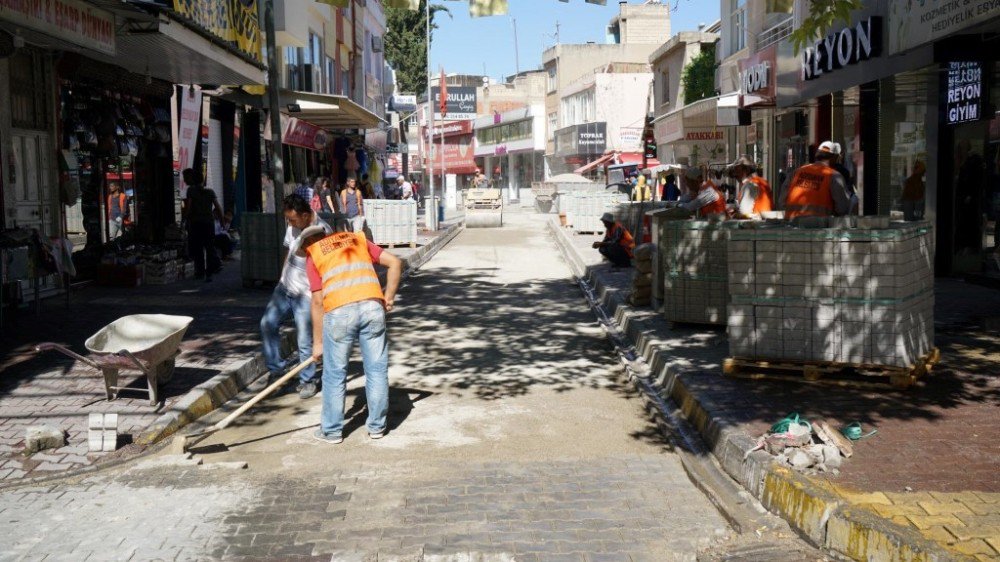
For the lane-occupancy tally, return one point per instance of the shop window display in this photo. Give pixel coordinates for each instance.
(903, 131)
(107, 136)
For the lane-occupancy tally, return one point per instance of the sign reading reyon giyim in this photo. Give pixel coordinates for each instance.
(964, 92)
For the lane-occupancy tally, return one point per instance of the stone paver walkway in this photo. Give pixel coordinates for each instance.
(512, 435)
(937, 450)
(52, 389)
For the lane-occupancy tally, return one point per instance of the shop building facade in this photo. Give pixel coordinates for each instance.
(511, 148)
(910, 105)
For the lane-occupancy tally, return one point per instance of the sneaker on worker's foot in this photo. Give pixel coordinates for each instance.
(331, 439)
(308, 390)
(377, 435)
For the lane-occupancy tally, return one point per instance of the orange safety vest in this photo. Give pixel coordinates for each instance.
(718, 206)
(764, 201)
(345, 265)
(626, 241)
(809, 192)
(122, 204)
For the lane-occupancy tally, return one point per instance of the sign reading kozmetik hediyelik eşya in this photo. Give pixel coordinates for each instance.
(964, 92)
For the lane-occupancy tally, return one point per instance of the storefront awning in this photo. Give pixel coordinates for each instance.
(328, 111)
(695, 122)
(636, 158)
(609, 157)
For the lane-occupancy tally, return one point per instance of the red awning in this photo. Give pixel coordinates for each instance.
(636, 158)
(602, 160)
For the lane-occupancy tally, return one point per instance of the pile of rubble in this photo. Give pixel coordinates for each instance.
(806, 447)
(642, 282)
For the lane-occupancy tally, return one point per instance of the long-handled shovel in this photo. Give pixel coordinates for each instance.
(182, 443)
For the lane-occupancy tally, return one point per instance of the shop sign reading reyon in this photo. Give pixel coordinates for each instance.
(69, 20)
(850, 45)
(964, 91)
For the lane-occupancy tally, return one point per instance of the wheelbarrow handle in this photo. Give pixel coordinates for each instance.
(49, 346)
(128, 354)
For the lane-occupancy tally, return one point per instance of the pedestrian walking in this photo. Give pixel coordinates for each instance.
(292, 299)
(618, 242)
(327, 197)
(405, 188)
(818, 189)
(348, 305)
(201, 210)
(352, 203)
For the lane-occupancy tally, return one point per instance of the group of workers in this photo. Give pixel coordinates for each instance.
(817, 189)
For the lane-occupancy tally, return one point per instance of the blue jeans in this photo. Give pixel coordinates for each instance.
(280, 308)
(365, 322)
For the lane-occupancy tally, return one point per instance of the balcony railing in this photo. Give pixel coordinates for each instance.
(774, 34)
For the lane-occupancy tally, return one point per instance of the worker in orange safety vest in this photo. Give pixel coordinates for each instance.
(702, 197)
(817, 189)
(753, 196)
(618, 242)
(348, 305)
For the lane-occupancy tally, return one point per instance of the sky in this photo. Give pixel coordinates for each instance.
(463, 44)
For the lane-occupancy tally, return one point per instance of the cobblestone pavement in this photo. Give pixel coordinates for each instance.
(934, 462)
(511, 437)
(52, 389)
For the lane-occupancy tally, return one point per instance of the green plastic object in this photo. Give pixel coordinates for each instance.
(853, 431)
(789, 420)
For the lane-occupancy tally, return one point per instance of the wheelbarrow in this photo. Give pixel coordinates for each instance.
(147, 343)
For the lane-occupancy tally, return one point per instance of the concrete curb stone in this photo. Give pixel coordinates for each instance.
(812, 510)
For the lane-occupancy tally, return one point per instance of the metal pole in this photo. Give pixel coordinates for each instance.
(517, 53)
(277, 165)
(444, 179)
(431, 213)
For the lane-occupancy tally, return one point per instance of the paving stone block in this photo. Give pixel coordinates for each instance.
(41, 437)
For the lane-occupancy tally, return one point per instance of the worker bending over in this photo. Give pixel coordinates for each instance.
(702, 196)
(753, 194)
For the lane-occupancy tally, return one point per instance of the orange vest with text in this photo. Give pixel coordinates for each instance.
(345, 265)
(809, 192)
(718, 206)
(764, 201)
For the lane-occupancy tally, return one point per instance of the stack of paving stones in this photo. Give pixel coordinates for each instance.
(694, 255)
(642, 279)
(851, 296)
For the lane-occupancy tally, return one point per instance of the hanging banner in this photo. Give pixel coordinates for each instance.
(233, 21)
(912, 24)
(483, 8)
(69, 20)
(188, 130)
(296, 132)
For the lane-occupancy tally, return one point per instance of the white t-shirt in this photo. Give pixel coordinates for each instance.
(293, 274)
(407, 190)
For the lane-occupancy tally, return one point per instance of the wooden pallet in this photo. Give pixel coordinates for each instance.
(831, 373)
(404, 245)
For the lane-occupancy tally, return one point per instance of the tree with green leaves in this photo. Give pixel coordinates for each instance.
(823, 14)
(698, 76)
(406, 47)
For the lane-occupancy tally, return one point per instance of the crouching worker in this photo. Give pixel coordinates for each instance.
(348, 305)
(618, 243)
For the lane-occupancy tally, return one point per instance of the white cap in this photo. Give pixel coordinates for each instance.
(831, 147)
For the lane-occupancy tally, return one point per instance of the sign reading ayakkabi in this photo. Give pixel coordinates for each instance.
(461, 102)
(964, 91)
(850, 45)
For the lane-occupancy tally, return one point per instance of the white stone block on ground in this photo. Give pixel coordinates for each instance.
(41, 437)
